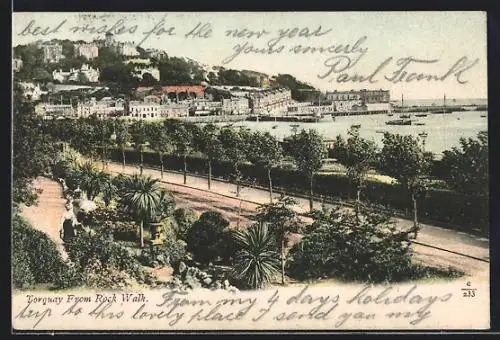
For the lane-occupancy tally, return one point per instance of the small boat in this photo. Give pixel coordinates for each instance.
(421, 115)
(483, 116)
(404, 116)
(418, 123)
(399, 122)
(356, 126)
(275, 126)
(390, 114)
(469, 108)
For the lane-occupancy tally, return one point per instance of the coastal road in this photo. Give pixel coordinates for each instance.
(434, 246)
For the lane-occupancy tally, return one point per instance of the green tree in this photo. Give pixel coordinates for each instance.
(33, 150)
(139, 137)
(358, 154)
(159, 141)
(208, 238)
(235, 144)
(209, 144)
(308, 152)
(123, 138)
(256, 262)
(466, 168)
(266, 151)
(282, 219)
(337, 244)
(142, 196)
(182, 135)
(403, 158)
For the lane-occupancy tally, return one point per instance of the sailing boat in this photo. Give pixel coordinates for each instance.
(403, 116)
(444, 110)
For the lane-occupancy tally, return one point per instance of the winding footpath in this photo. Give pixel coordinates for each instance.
(46, 216)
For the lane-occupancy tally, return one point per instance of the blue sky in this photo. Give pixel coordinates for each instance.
(446, 38)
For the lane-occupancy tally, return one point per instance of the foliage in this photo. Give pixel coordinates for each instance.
(439, 205)
(288, 81)
(256, 263)
(265, 150)
(142, 196)
(308, 152)
(208, 238)
(34, 150)
(403, 159)
(86, 248)
(337, 244)
(35, 256)
(184, 219)
(166, 205)
(187, 278)
(466, 169)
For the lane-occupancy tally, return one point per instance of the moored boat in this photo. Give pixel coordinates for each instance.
(399, 122)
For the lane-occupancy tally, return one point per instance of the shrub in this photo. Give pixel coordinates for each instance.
(186, 278)
(371, 250)
(208, 238)
(22, 277)
(184, 219)
(86, 248)
(33, 250)
(257, 262)
(124, 231)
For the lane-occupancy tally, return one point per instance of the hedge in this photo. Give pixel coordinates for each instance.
(470, 213)
(35, 258)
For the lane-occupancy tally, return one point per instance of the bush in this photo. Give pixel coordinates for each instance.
(85, 249)
(22, 277)
(186, 278)
(208, 238)
(337, 245)
(124, 231)
(35, 255)
(184, 219)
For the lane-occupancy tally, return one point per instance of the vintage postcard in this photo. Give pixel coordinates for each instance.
(250, 171)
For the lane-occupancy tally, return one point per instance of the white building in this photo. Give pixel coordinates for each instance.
(104, 108)
(32, 91)
(142, 61)
(174, 110)
(354, 105)
(139, 72)
(236, 106)
(89, 72)
(56, 110)
(140, 110)
(155, 53)
(127, 49)
(271, 101)
(52, 53)
(88, 51)
(17, 64)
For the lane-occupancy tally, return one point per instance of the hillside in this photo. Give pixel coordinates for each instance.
(173, 70)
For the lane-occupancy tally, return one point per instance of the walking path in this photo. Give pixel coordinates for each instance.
(46, 216)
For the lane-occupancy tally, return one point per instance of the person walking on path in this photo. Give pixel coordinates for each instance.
(68, 224)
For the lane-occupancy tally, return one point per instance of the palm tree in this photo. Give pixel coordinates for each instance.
(97, 183)
(142, 196)
(109, 190)
(257, 263)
